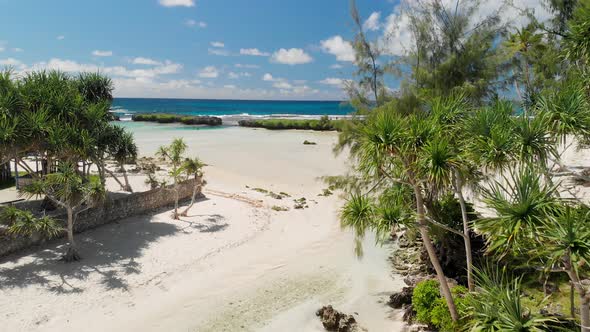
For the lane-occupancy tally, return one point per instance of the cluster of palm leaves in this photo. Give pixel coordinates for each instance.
(64, 122)
(182, 168)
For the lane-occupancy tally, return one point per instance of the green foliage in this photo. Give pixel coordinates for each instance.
(497, 306)
(424, 299)
(431, 309)
(24, 223)
(324, 124)
(171, 118)
(522, 202)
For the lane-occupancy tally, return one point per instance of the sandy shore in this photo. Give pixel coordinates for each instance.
(230, 266)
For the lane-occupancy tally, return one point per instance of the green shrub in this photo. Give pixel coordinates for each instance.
(431, 308)
(171, 118)
(424, 299)
(324, 124)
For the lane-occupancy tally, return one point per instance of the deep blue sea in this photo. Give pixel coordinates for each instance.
(125, 107)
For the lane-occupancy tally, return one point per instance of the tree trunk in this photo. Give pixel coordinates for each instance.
(584, 299)
(466, 231)
(175, 214)
(115, 177)
(127, 185)
(71, 254)
(423, 227)
(195, 189)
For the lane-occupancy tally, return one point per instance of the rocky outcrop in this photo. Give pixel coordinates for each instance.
(401, 299)
(334, 320)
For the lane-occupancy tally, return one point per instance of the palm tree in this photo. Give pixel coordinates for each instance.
(124, 151)
(392, 150)
(193, 167)
(69, 190)
(565, 242)
(497, 306)
(174, 154)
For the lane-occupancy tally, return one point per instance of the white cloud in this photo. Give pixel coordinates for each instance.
(217, 44)
(229, 86)
(177, 3)
(18, 49)
(253, 52)
(267, 77)
(282, 85)
(339, 47)
(2, 49)
(218, 51)
(398, 39)
(373, 22)
(11, 62)
(102, 53)
(70, 66)
(60, 37)
(241, 65)
(145, 61)
(336, 66)
(293, 56)
(192, 23)
(337, 82)
(233, 75)
(127, 87)
(209, 72)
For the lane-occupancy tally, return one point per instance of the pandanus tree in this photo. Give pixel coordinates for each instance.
(69, 190)
(393, 151)
(122, 148)
(193, 167)
(532, 221)
(174, 154)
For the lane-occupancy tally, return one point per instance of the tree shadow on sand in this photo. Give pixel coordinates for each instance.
(109, 251)
(208, 223)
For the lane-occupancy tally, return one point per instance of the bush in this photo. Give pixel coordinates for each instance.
(324, 124)
(423, 300)
(432, 310)
(171, 118)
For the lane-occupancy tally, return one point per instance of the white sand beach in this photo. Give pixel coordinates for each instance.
(233, 265)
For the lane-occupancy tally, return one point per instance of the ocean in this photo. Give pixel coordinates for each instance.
(126, 107)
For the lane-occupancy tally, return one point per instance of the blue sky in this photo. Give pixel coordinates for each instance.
(260, 49)
(218, 49)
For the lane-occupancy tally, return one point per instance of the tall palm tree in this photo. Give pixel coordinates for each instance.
(193, 167)
(124, 151)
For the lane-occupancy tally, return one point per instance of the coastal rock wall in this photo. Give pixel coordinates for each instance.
(113, 210)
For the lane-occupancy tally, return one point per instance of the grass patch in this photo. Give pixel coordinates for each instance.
(324, 124)
(171, 118)
(326, 193)
(280, 208)
(260, 190)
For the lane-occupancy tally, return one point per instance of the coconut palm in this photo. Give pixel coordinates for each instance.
(69, 190)
(193, 167)
(174, 154)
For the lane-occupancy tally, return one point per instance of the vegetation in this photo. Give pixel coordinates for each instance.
(171, 118)
(324, 124)
(174, 153)
(193, 167)
(446, 132)
(24, 223)
(64, 122)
